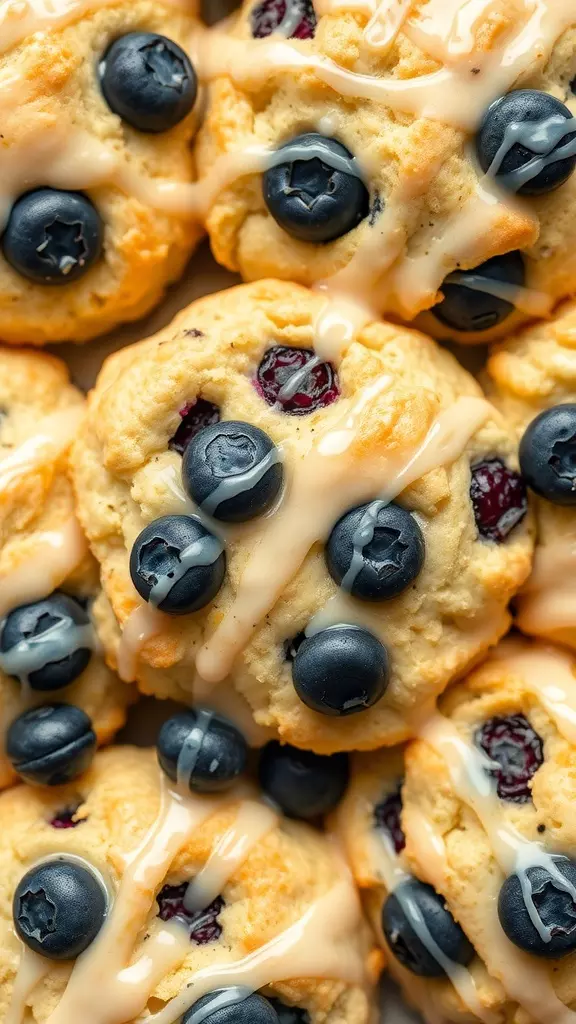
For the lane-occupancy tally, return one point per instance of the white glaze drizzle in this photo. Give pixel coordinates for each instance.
(48, 443)
(60, 640)
(547, 673)
(143, 624)
(239, 483)
(55, 556)
(31, 969)
(547, 602)
(203, 552)
(541, 138)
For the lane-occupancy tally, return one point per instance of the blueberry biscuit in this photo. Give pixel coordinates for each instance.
(336, 534)
(57, 698)
(99, 108)
(532, 378)
(414, 156)
(468, 867)
(244, 918)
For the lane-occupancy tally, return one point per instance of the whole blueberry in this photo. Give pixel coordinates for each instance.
(232, 470)
(46, 644)
(303, 784)
(316, 193)
(148, 81)
(375, 551)
(470, 305)
(59, 907)
(524, 143)
(51, 744)
(53, 237)
(177, 564)
(341, 670)
(412, 915)
(203, 749)
(548, 454)
(230, 1008)
(555, 908)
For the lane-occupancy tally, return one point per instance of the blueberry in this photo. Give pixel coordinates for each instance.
(203, 925)
(375, 551)
(290, 1014)
(524, 143)
(317, 197)
(203, 749)
(413, 915)
(548, 454)
(148, 81)
(52, 744)
(498, 496)
(303, 784)
(194, 417)
(46, 644)
(295, 381)
(230, 1008)
(516, 752)
(177, 564)
(388, 818)
(53, 237)
(553, 906)
(294, 19)
(469, 305)
(340, 670)
(232, 470)
(59, 907)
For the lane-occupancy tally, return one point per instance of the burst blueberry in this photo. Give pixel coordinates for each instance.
(194, 417)
(498, 496)
(414, 901)
(148, 81)
(53, 237)
(59, 907)
(515, 747)
(525, 144)
(295, 19)
(232, 470)
(231, 1008)
(177, 564)
(203, 925)
(205, 747)
(52, 744)
(341, 670)
(303, 784)
(317, 198)
(551, 894)
(548, 454)
(295, 381)
(470, 304)
(388, 818)
(47, 644)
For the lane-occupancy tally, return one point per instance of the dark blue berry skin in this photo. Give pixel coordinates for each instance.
(392, 551)
(555, 908)
(53, 237)
(59, 907)
(155, 560)
(470, 311)
(51, 744)
(217, 750)
(548, 454)
(148, 81)
(341, 670)
(290, 1014)
(254, 1009)
(520, 107)
(402, 939)
(32, 620)
(303, 784)
(310, 199)
(224, 452)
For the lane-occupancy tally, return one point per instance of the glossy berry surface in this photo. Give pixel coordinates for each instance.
(293, 380)
(41, 645)
(295, 19)
(412, 901)
(555, 936)
(375, 551)
(341, 670)
(548, 454)
(177, 564)
(148, 81)
(232, 470)
(66, 818)
(511, 743)
(498, 496)
(203, 925)
(203, 747)
(194, 417)
(51, 744)
(231, 1008)
(53, 237)
(388, 818)
(304, 785)
(520, 142)
(290, 1014)
(59, 907)
(318, 199)
(469, 306)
